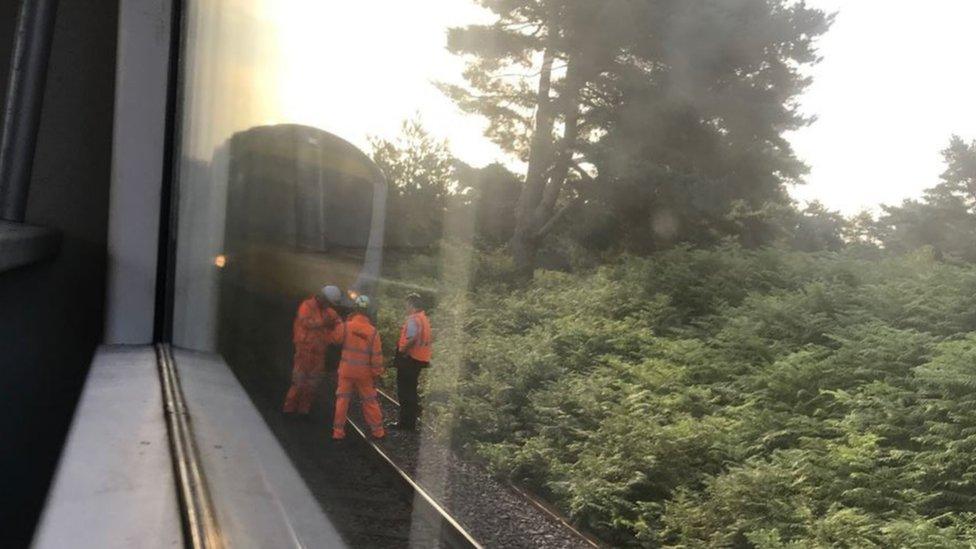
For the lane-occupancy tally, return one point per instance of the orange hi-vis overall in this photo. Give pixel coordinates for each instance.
(362, 361)
(312, 332)
(421, 348)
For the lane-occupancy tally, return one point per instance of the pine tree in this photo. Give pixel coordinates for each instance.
(591, 93)
(945, 217)
(421, 172)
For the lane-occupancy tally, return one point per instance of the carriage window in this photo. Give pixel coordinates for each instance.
(637, 273)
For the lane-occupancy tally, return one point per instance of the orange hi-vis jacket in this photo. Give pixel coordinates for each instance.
(421, 348)
(362, 354)
(314, 325)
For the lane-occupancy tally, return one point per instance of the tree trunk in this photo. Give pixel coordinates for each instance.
(523, 242)
(548, 168)
(524, 249)
(566, 149)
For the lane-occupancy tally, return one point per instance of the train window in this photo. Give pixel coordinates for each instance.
(553, 261)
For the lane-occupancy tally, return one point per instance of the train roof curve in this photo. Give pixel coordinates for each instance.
(285, 140)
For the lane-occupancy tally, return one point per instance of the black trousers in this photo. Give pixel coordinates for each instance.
(333, 354)
(408, 376)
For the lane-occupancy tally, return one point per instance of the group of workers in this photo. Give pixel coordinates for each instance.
(345, 352)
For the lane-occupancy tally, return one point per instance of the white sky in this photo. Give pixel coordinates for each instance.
(896, 81)
(379, 71)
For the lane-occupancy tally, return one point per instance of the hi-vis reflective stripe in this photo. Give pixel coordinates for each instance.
(422, 339)
(367, 353)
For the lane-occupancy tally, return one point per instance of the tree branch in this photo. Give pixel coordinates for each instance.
(549, 225)
(583, 173)
(567, 144)
(588, 182)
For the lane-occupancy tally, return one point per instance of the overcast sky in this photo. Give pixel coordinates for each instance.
(896, 81)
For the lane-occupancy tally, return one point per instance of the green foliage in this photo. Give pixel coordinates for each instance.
(421, 176)
(491, 193)
(647, 119)
(945, 218)
(721, 398)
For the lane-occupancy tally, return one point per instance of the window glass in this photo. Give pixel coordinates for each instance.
(693, 273)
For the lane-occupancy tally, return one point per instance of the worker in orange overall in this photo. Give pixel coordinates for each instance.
(312, 332)
(361, 363)
(413, 355)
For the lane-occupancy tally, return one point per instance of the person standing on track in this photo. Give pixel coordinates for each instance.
(360, 364)
(312, 331)
(413, 355)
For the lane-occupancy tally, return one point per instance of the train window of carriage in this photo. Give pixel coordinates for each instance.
(638, 315)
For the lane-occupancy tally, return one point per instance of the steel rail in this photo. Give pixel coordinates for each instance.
(450, 530)
(198, 513)
(536, 502)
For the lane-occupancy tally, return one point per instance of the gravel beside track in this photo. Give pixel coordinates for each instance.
(489, 510)
(366, 499)
(362, 497)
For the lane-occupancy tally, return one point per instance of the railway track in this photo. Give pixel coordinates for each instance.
(518, 517)
(445, 528)
(407, 490)
(371, 502)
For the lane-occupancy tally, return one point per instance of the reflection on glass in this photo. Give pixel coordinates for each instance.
(635, 318)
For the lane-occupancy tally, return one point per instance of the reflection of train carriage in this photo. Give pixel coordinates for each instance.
(295, 186)
(304, 208)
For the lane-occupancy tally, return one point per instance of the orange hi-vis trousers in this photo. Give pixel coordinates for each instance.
(308, 371)
(348, 386)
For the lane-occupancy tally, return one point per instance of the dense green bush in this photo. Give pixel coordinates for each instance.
(728, 397)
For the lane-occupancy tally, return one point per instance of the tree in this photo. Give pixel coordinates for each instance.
(862, 229)
(592, 95)
(945, 217)
(421, 173)
(818, 228)
(491, 193)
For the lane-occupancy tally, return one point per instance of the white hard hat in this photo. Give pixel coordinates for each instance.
(332, 293)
